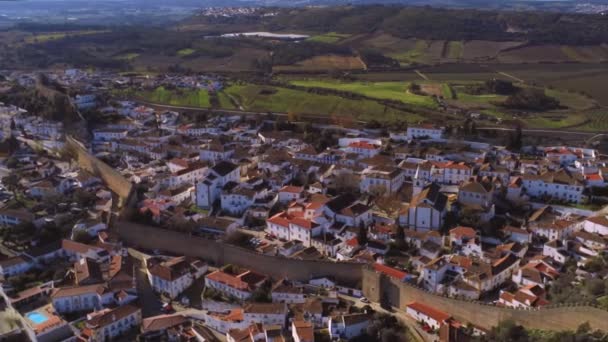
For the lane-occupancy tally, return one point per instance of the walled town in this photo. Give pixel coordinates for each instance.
(510, 226)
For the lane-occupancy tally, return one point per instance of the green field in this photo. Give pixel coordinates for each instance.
(571, 100)
(49, 36)
(379, 90)
(454, 50)
(185, 52)
(329, 38)
(225, 102)
(178, 97)
(418, 54)
(447, 91)
(555, 120)
(276, 99)
(598, 121)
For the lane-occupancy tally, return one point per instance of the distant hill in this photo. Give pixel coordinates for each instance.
(425, 23)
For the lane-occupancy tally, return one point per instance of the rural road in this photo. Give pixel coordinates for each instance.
(537, 130)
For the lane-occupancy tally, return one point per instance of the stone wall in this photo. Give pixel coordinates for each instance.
(112, 178)
(219, 253)
(379, 288)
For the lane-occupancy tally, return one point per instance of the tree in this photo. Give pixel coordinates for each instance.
(516, 139)
(414, 88)
(377, 190)
(531, 99)
(81, 236)
(400, 236)
(507, 331)
(83, 197)
(262, 294)
(12, 183)
(346, 181)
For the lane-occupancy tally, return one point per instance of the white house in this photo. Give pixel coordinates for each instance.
(290, 227)
(266, 313)
(384, 180)
(476, 194)
(428, 315)
(363, 149)
(12, 217)
(597, 225)
(240, 284)
(290, 193)
(109, 134)
(348, 326)
(15, 265)
(193, 173)
(426, 210)
(209, 189)
(561, 185)
(456, 173)
(81, 298)
(424, 131)
(215, 152)
(285, 292)
(174, 276)
(530, 296)
(109, 324)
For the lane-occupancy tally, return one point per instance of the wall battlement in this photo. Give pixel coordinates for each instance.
(379, 288)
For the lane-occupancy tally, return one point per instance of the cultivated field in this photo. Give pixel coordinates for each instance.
(323, 63)
(48, 36)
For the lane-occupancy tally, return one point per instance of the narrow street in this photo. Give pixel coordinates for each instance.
(149, 301)
(415, 330)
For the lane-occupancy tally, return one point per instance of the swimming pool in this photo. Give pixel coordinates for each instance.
(36, 317)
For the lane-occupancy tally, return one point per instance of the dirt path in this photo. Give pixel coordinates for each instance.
(511, 77)
(423, 76)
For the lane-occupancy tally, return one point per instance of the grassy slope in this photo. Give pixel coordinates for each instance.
(185, 52)
(418, 54)
(455, 50)
(598, 123)
(381, 90)
(288, 100)
(329, 38)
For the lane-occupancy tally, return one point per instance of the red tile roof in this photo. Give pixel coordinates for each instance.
(431, 312)
(363, 145)
(292, 189)
(463, 232)
(228, 280)
(389, 271)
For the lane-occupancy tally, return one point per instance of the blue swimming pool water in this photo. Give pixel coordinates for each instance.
(36, 317)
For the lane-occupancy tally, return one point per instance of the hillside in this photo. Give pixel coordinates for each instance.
(422, 23)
